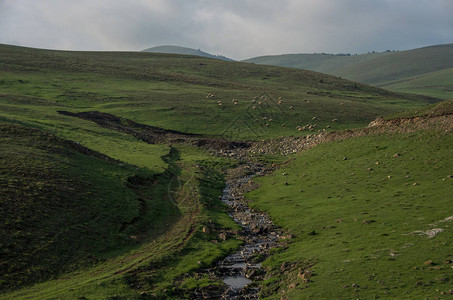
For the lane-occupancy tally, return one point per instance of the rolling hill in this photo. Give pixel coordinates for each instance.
(112, 165)
(387, 69)
(184, 51)
(185, 93)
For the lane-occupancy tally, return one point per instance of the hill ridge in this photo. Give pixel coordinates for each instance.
(173, 49)
(376, 69)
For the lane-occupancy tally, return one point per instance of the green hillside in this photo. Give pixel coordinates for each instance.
(63, 206)
(374, 68)
(183, 93)
(77, 223)
(112, 164)
(438, 84)
(371, 218)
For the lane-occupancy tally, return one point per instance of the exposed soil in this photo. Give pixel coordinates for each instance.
(155, 135)
(288, 145)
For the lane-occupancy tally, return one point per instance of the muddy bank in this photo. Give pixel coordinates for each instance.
(156, 135)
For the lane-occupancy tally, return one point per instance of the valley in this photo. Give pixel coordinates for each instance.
(122, 176)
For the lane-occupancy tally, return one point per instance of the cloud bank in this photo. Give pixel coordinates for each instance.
(235, 28)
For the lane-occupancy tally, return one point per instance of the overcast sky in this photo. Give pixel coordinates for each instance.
(238, 29)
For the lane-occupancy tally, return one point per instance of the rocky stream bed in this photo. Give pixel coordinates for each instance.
(241, 270)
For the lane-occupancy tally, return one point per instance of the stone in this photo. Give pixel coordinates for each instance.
(428, 263)
(251, 274)
(366, 222)
(305, 275)
(284, 267)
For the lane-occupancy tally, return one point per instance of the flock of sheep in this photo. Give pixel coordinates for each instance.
(257, 102)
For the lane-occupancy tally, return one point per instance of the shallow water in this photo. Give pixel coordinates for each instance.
(236, 282)
(238, 269)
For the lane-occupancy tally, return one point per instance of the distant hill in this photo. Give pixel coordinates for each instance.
(387, 69)
(184, 51)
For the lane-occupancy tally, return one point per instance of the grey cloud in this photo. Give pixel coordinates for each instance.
(235, 28)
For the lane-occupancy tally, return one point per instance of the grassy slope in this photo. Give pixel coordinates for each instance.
(324, 63)
(61, 207)
(170, 91)
(109, 224)
(379, 68)
(438, 84)
(352, 219)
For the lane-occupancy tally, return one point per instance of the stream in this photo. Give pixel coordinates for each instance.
(240, 270)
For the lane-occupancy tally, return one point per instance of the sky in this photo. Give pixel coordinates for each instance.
(238, 29)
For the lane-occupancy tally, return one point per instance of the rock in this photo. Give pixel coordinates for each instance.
(284, 267)
(366, 222)
(305, 275)
(308, 273)
(286, 237)
(292, 285)
(396, 155)
(231, 293)
(251, 274)
(429, 263)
